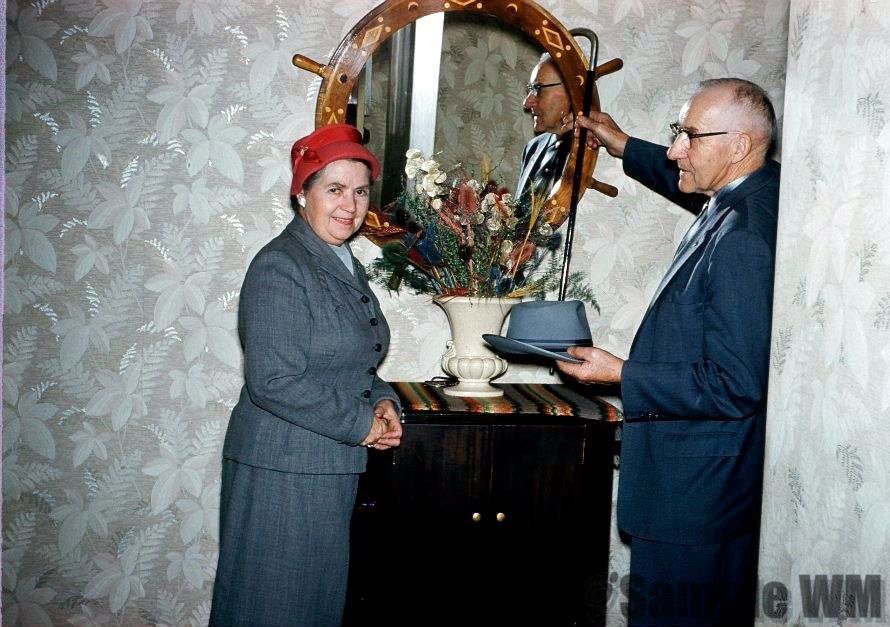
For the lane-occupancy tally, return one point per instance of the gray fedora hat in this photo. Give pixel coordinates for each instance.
(546, 328)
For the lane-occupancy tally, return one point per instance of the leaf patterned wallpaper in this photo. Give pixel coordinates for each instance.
(147, 148)
(826, 509)
(481, 89)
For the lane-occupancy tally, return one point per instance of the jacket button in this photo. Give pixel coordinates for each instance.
(372, 370)
(365, 299)
(373, 322)
(378, 347)
(366, 394)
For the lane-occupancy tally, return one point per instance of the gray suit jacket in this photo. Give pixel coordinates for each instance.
(313, 336)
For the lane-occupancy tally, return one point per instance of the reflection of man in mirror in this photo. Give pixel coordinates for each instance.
(545, 155)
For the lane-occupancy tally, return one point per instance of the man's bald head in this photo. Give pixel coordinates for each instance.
(748, 106)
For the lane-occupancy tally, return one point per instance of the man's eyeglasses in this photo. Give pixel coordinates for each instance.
(534, 89)
(684, 134)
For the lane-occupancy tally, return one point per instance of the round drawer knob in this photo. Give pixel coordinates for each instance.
(501, 516)
(476, 516)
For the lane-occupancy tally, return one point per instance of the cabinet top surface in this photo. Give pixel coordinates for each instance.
(520, 402)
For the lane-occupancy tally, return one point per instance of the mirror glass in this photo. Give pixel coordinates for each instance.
(464, 104)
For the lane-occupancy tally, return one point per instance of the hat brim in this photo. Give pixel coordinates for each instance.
(515, 347)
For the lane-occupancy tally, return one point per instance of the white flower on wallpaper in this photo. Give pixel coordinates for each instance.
(201, 11)
(25, 605)
(625, 8)
(176, 472)
(707, 33)
(79, 333)
(88, 441)
(635, 299)
(75, 517)
(193, 383)
(122, 20)
(177, 292)
(200, 515)
(26, 229)
(296, 116)
(216, 148)
(885, 383)
(735, 65)
(25, 424)
(192, 566)
(25, 36)
(121, 209)
(198, 199)
(828, 226)
(847, 308)
(270, 55)
(119, 397)
(607, 249)
(214, 332)
(90, 254)
(91, 64)
(183, 103)
(116, 580)
(275, 168)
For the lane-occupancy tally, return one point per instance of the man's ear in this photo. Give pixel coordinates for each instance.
(741, 147)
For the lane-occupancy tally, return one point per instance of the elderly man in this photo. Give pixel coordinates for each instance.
(545, 155)
(694, 385)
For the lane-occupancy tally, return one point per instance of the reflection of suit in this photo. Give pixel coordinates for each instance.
(541, 166)
(694, 391)
(313, 335)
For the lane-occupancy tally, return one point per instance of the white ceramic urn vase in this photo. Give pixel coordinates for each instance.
(467, 357)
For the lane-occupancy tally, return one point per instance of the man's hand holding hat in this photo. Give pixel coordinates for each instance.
(599, 366)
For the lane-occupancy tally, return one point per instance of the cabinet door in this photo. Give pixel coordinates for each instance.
(440, 473)
(539, 491)
(538, 475)
(439, 481)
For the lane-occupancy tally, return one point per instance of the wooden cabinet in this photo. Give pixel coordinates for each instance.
(485, 518)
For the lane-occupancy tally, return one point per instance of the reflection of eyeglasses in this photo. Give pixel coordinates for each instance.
(686, 135)
(534, 89)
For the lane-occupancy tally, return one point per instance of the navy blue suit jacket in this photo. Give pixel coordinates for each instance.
(694, 385)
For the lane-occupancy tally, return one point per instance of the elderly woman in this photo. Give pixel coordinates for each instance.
(313, 336)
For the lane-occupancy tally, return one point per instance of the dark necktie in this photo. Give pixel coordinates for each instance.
(693, 230)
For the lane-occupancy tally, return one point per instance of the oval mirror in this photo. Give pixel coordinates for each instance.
(432, 49)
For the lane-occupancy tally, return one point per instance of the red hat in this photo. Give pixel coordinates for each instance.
(324, 145)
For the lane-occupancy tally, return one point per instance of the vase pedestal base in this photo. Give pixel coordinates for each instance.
(479, 389)
(467, 357)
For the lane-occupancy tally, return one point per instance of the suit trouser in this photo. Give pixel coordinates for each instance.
(711, 585)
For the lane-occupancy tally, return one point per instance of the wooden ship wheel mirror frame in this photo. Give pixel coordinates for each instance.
(341, 73)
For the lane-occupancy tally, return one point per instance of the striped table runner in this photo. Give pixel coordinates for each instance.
(518, 398)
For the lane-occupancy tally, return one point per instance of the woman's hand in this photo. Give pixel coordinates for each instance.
(386, 431)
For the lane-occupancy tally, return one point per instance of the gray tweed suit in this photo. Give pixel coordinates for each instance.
(313, 336)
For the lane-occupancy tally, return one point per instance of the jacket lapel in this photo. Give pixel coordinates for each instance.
(543, 143)
(723, 203)
(329, 263)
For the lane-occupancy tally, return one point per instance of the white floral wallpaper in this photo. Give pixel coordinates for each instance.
(146, 162)
(826, 509)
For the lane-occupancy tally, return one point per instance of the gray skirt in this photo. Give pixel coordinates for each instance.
(283, 547)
